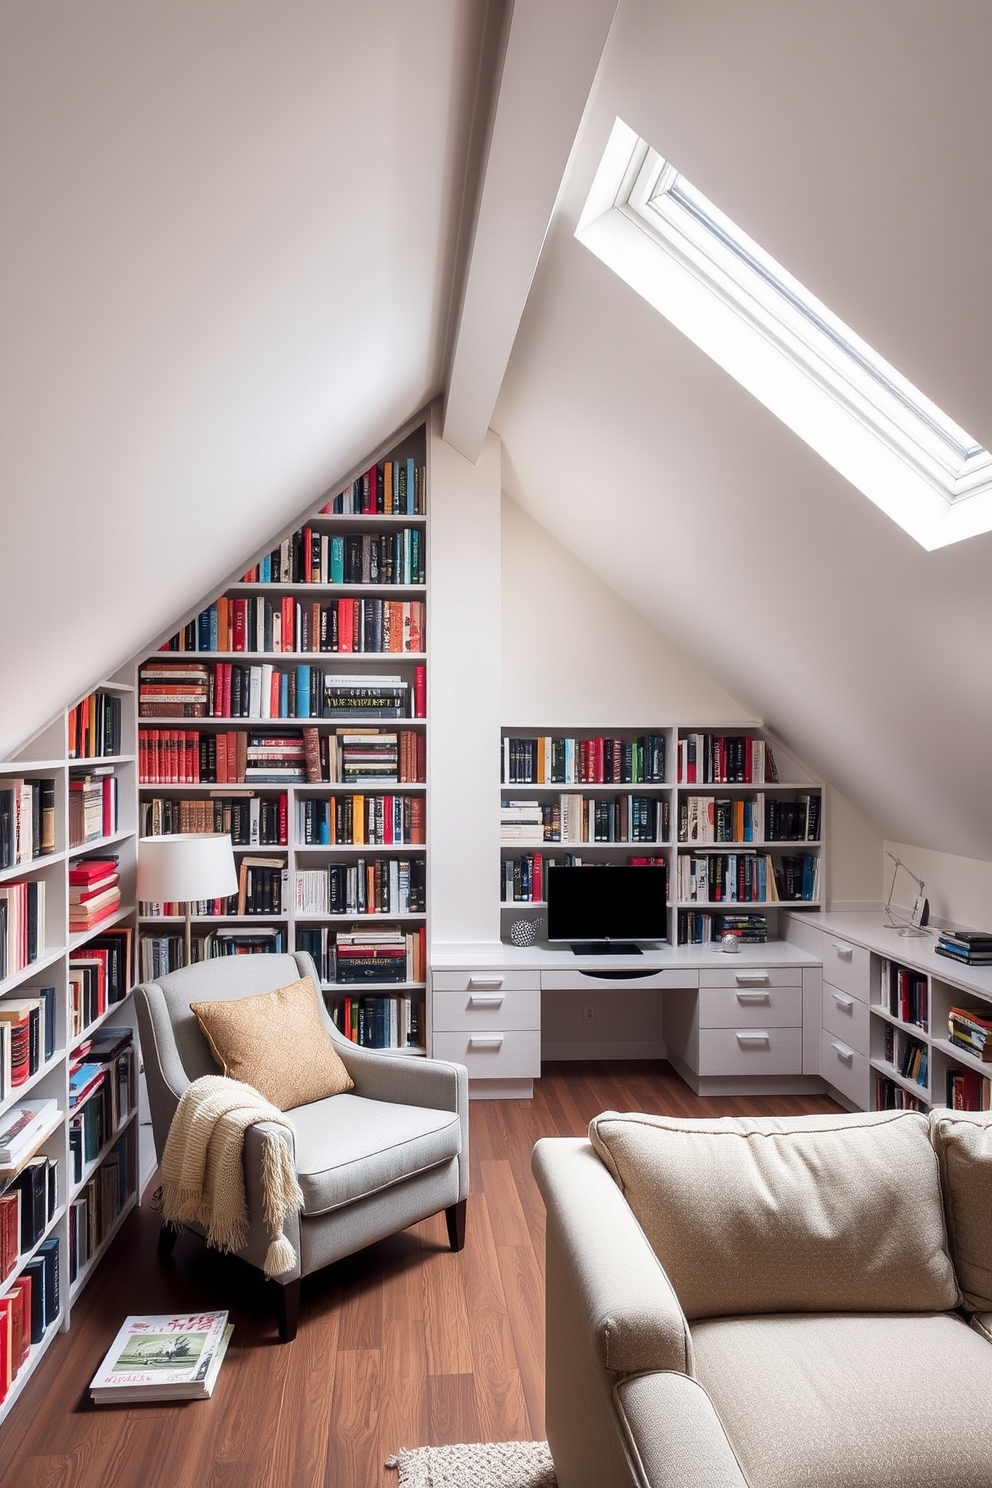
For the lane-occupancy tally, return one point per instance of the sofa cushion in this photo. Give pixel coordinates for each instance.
(799, 1214)
(851, 1401)
(347, 1147)
(275, 1042)
(963, 1143)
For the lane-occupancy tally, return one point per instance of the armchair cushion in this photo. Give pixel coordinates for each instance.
(277, 1043)
(963, 1142)
(347, 1147)
(808, 1214)
(851, 1401)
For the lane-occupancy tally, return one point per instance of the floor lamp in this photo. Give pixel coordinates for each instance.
(184, 868)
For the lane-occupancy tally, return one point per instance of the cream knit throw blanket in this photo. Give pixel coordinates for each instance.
(202, 1172)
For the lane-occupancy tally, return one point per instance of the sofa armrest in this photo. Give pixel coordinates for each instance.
(674, 1437)
(630, 1312)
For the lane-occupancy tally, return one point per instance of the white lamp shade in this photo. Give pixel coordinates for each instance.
(186, 867)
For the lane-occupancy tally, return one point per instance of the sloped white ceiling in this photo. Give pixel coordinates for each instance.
(850, 140)
(229, 231)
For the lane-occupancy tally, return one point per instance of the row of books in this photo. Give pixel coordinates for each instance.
(93, 805)
(906, 1054)
(904, 993)
(277, 757)
(27, 1036)
(27, 821)
(745, 876)
(971, 1030)
(700, 927)
(101, 1094)
(94, 892)
(346, 957)
(392, 486)
(160, 954)
(27, 1207)
(373, 886)
(892, 1097)
(95, 1210)
(379, 1021)
(967, 1090)
(95, 726)
(579, 818)
(163, 1357)
(22, 924)
(357, 820)
(725, 759)
(311, 556)
(99, 976)
(552, 760)
(249, 820)
(30, 1306)
(752, 819)
(970, 947)
(523, 880)
(261, 891)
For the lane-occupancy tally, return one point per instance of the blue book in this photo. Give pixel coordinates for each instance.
(337, 560)
(302, 692)
(410, 489)
(212, 613)
(203, 631)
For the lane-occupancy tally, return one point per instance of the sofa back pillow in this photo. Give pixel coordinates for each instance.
(800, 1214)
(963, 1143)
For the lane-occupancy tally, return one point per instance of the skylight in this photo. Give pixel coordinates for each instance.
(717, 286)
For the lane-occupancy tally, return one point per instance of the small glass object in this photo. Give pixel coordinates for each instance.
(730, 941)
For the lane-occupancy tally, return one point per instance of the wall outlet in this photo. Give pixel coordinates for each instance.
(589, 1012)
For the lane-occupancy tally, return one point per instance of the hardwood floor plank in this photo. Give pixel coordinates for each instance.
(402, 1345)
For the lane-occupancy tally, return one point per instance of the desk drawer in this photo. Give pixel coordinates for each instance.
(751, 976)
(492, 1054)
(487, 1009)
(750, 1051)
(845, 1016)
(846, 966)
(845, 1069)
(618, 981)
(483, 980)
(751, 1007)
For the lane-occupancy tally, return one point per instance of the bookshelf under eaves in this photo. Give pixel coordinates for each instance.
(303, 716)
(732, 815)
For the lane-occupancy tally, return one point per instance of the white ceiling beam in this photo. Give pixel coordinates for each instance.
(552, 52)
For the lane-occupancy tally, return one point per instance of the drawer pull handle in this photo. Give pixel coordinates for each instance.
(494, 981)
(844, 951)
(843, 1052)
(486, 1000)
(486, 1041)
(748, 998)
(842, 1001)
(751, 978)
(753, 1038)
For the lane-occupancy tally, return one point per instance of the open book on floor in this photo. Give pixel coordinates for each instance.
(166, 1357)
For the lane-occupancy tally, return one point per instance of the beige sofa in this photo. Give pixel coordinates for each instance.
(773, 1303)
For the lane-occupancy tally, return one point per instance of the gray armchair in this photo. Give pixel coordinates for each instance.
(370, 1162)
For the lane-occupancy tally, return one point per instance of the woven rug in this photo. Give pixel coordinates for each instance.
(476, 1465)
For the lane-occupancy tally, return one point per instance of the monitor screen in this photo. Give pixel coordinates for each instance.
(603, 902)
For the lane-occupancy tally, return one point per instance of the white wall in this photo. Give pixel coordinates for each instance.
(959, 889)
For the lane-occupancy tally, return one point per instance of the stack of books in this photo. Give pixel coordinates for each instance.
(27, 821)
(969, 1030)
(94, 892)
(92, 806)
(163, 1358)
(371, 956)
(169, 691)
(972, 947)
(521, 821)
(350, 696)
(368, 755)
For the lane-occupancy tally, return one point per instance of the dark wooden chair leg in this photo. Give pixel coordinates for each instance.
(288, 1309)
(455, 1220)
(167, 1237)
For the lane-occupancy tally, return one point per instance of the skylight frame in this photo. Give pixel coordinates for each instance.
(721, 289)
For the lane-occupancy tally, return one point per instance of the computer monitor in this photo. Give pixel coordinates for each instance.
(603, 908)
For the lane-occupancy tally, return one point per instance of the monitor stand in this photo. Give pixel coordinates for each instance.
(608, 948)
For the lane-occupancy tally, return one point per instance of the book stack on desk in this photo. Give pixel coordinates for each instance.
(970, 947)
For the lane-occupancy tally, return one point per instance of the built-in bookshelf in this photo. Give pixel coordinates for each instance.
(732, 816)
(68, 816)
(291, 712)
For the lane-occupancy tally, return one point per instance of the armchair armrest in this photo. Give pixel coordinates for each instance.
(612, 1276)
(257, 1244)
(673, 1435)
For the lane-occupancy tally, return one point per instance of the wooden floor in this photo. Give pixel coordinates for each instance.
(402, 1345)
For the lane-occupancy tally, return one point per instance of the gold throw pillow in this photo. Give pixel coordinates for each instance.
(277, 1043)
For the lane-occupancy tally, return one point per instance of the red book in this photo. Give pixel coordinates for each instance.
(288, 624)
(86, 871)
(283, 821)
(420, 692)
(6, 1338)
(275, 690)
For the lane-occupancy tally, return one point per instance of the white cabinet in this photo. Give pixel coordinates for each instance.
(490, 1021)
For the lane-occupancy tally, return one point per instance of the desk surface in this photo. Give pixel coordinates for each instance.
(868, 930)
(660, 957)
